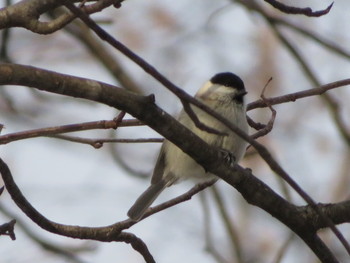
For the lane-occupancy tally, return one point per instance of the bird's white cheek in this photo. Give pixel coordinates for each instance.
(204, 91)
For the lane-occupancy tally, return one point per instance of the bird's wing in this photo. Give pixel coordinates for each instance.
(159, 167)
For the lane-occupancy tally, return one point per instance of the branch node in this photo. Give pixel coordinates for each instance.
(150, 98)
(8, 229)
(118, 120)
(97, 145)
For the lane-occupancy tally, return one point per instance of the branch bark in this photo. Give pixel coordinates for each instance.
(26, 14)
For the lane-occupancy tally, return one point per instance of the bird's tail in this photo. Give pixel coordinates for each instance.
(145, 200)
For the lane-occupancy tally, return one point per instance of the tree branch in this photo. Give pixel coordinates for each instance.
(298, 11)
(26, 14)
(136, 244)
(298, 95)
(98, 143)
(50, 131)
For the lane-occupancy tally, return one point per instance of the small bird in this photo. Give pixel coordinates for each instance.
(224, 93)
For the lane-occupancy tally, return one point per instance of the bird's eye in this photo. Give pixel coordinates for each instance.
(238, 96)
(238, 99)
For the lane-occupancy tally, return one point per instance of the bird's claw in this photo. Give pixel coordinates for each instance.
(228, 156)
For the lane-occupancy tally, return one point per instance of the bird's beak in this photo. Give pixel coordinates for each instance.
(241, 93)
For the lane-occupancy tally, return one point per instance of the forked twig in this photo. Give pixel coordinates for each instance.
(269, 126)
(8, 229)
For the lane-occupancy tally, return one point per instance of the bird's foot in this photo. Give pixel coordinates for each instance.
(228, 156)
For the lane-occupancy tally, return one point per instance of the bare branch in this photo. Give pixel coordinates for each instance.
(98, 143)
(6, 138)
(298, 11)
(137, 244)
(26, 14)
(268, 127)
(298, 95)
(182, 198)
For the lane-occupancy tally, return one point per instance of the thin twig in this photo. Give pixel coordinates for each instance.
(98, 143)
(298, 95)
(182, 198)
(50, 131)
(298, 11)
(269, 126)
(136, 244)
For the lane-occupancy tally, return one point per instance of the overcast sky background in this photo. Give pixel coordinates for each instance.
(188, 41)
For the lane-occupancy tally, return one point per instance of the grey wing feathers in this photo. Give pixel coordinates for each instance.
(159, 167)
(152, 192)
(145, 200)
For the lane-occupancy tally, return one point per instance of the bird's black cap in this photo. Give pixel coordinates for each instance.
(228, 79)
